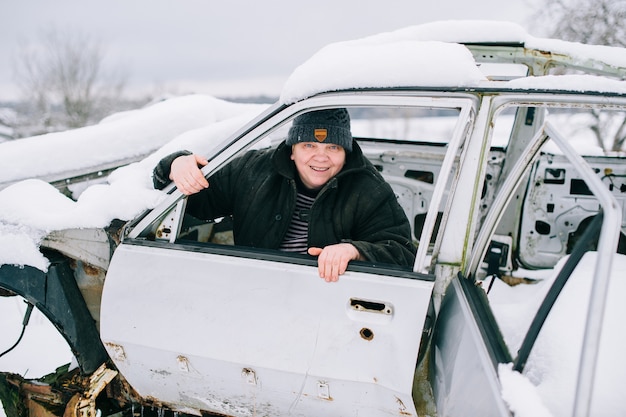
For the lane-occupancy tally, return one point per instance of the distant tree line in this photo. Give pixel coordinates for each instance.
(66, 83)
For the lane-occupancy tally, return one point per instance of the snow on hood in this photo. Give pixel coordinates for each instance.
(32, 208)
(125, 135)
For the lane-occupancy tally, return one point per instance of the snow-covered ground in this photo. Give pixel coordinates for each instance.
(42, 348)
(31, 208)
(558, 347)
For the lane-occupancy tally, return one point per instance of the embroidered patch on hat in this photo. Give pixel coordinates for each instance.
(320, 134)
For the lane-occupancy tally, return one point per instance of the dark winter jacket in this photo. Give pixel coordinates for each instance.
(259, 190)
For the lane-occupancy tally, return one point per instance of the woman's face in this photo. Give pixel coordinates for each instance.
(317, 163)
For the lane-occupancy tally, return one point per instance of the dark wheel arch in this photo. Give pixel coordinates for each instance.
(56, 294)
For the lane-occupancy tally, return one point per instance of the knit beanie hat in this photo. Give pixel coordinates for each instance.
(324, 126)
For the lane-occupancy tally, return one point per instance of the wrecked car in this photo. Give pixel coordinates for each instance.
(476, 133)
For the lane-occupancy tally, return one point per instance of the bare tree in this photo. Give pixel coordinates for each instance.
(597, 22)
(66, 71)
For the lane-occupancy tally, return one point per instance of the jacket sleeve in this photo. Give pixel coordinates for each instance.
(225, 186)
(383, 232)
(161, 173)
(203, 204)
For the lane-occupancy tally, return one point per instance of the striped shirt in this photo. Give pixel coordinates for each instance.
(296, 239)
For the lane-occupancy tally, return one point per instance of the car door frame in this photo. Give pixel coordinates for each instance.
(466, 307)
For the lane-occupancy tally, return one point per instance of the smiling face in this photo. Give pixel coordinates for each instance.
(317, 163)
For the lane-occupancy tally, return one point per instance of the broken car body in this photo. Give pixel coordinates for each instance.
(168, 316)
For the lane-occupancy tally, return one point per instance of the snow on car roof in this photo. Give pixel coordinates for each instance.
(433, 55)
(30, 207)
(401, 63)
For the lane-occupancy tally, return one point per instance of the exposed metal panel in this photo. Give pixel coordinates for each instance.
(91, 246)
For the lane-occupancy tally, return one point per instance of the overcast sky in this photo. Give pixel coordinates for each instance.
(182, 45)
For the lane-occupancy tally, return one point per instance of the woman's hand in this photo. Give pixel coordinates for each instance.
(186, 174)
(332, 260)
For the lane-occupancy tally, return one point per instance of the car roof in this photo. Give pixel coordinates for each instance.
(459, 55)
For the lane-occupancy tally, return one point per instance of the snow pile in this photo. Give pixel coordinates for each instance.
(32, 208)
(430, 55)
(578, 83)
(520, 394)
(553, 364)
(133, 134)
(398, 63)
(20, 245)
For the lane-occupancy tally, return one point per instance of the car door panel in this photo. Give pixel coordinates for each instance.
(236, 334)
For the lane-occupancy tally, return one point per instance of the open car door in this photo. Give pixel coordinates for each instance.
(221, 329)
(206, 328)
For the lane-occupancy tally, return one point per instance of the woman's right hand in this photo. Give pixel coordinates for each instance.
(186, 174)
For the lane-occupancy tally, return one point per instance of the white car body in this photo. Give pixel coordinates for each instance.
(203, 328)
